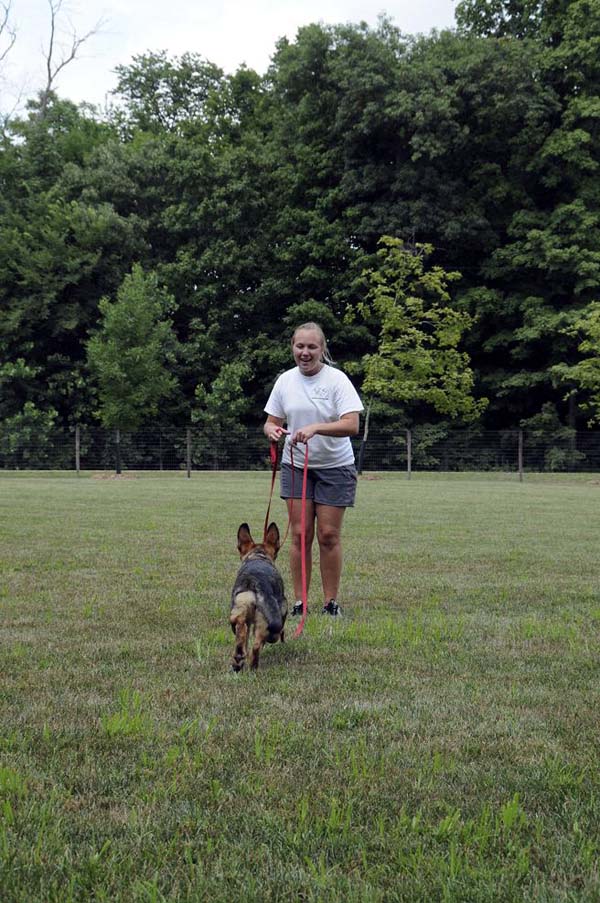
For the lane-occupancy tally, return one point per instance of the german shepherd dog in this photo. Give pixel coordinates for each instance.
(258, 598)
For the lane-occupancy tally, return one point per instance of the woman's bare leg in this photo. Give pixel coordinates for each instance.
(329, 531)
(294, 512)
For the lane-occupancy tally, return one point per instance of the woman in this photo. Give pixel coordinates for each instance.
(321, 408)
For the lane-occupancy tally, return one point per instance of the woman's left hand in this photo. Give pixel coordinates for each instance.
(304, 434)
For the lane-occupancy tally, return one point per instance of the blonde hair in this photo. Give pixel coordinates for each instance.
(325, 355)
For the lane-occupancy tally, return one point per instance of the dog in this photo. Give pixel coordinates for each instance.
(258, 603)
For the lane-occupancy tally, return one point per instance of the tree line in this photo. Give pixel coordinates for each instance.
(432, 201)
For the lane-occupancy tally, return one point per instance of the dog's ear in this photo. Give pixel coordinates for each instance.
(244, 540)
(272, 543)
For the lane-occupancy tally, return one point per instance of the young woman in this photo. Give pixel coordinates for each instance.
(321, 408)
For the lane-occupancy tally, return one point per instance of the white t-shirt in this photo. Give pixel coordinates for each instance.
(323, 398)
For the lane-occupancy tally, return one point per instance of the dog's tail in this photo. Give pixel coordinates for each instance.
(243, 609)
(273, 626)
(249, 607)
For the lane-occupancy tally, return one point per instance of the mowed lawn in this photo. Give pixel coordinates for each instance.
(440, 742)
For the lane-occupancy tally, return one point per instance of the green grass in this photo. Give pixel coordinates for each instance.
(440, 742)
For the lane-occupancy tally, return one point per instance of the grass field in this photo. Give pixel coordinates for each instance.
(440, 742)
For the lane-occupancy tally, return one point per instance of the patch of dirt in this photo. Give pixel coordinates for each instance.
(370, 476)
(105, 475)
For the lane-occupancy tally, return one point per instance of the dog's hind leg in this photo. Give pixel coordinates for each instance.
(261, 632)
(241, 639)
(242, 614)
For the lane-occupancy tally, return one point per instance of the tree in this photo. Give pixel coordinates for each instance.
(585, 374)
(57, 55)
(56, 63)
(59, 254)
(163, 94)
(8, 34)
(501, 18)
(25, 437)
(131, 352)
(258, 202)
(418, 360)
(219, 412)
(545, 269)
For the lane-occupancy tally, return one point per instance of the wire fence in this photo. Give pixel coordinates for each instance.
(421, 449)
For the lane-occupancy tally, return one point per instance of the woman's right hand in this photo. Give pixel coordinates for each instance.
(274, 432)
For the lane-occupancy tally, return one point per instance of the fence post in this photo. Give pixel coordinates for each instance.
(520, 456)
(408, 454)
(188, 437)
(77, 449)
(118, 450)
(365, 436)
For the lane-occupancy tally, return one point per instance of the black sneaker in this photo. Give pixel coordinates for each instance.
(297, 609)
(333, 609)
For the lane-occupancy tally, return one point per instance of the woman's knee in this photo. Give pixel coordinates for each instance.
(297, 536)
(329, 537)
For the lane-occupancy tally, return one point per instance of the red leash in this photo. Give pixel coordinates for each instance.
(273, 451)
(300, 626)
(273, 454)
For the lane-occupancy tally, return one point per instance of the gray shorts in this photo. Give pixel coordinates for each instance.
(334, 486)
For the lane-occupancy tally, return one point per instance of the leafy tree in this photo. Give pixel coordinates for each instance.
(502, 18)
(43, 145)
(219, 412)
(162, 94)
(429, 138)
(330, 93)
(418, 360)
(16, 380)
(203, 188)
(54, 259)
(130, 352)
(258, 202)
(544, 271)
(25, 437)
(59, 253)
(585, 374)
(551, 440)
